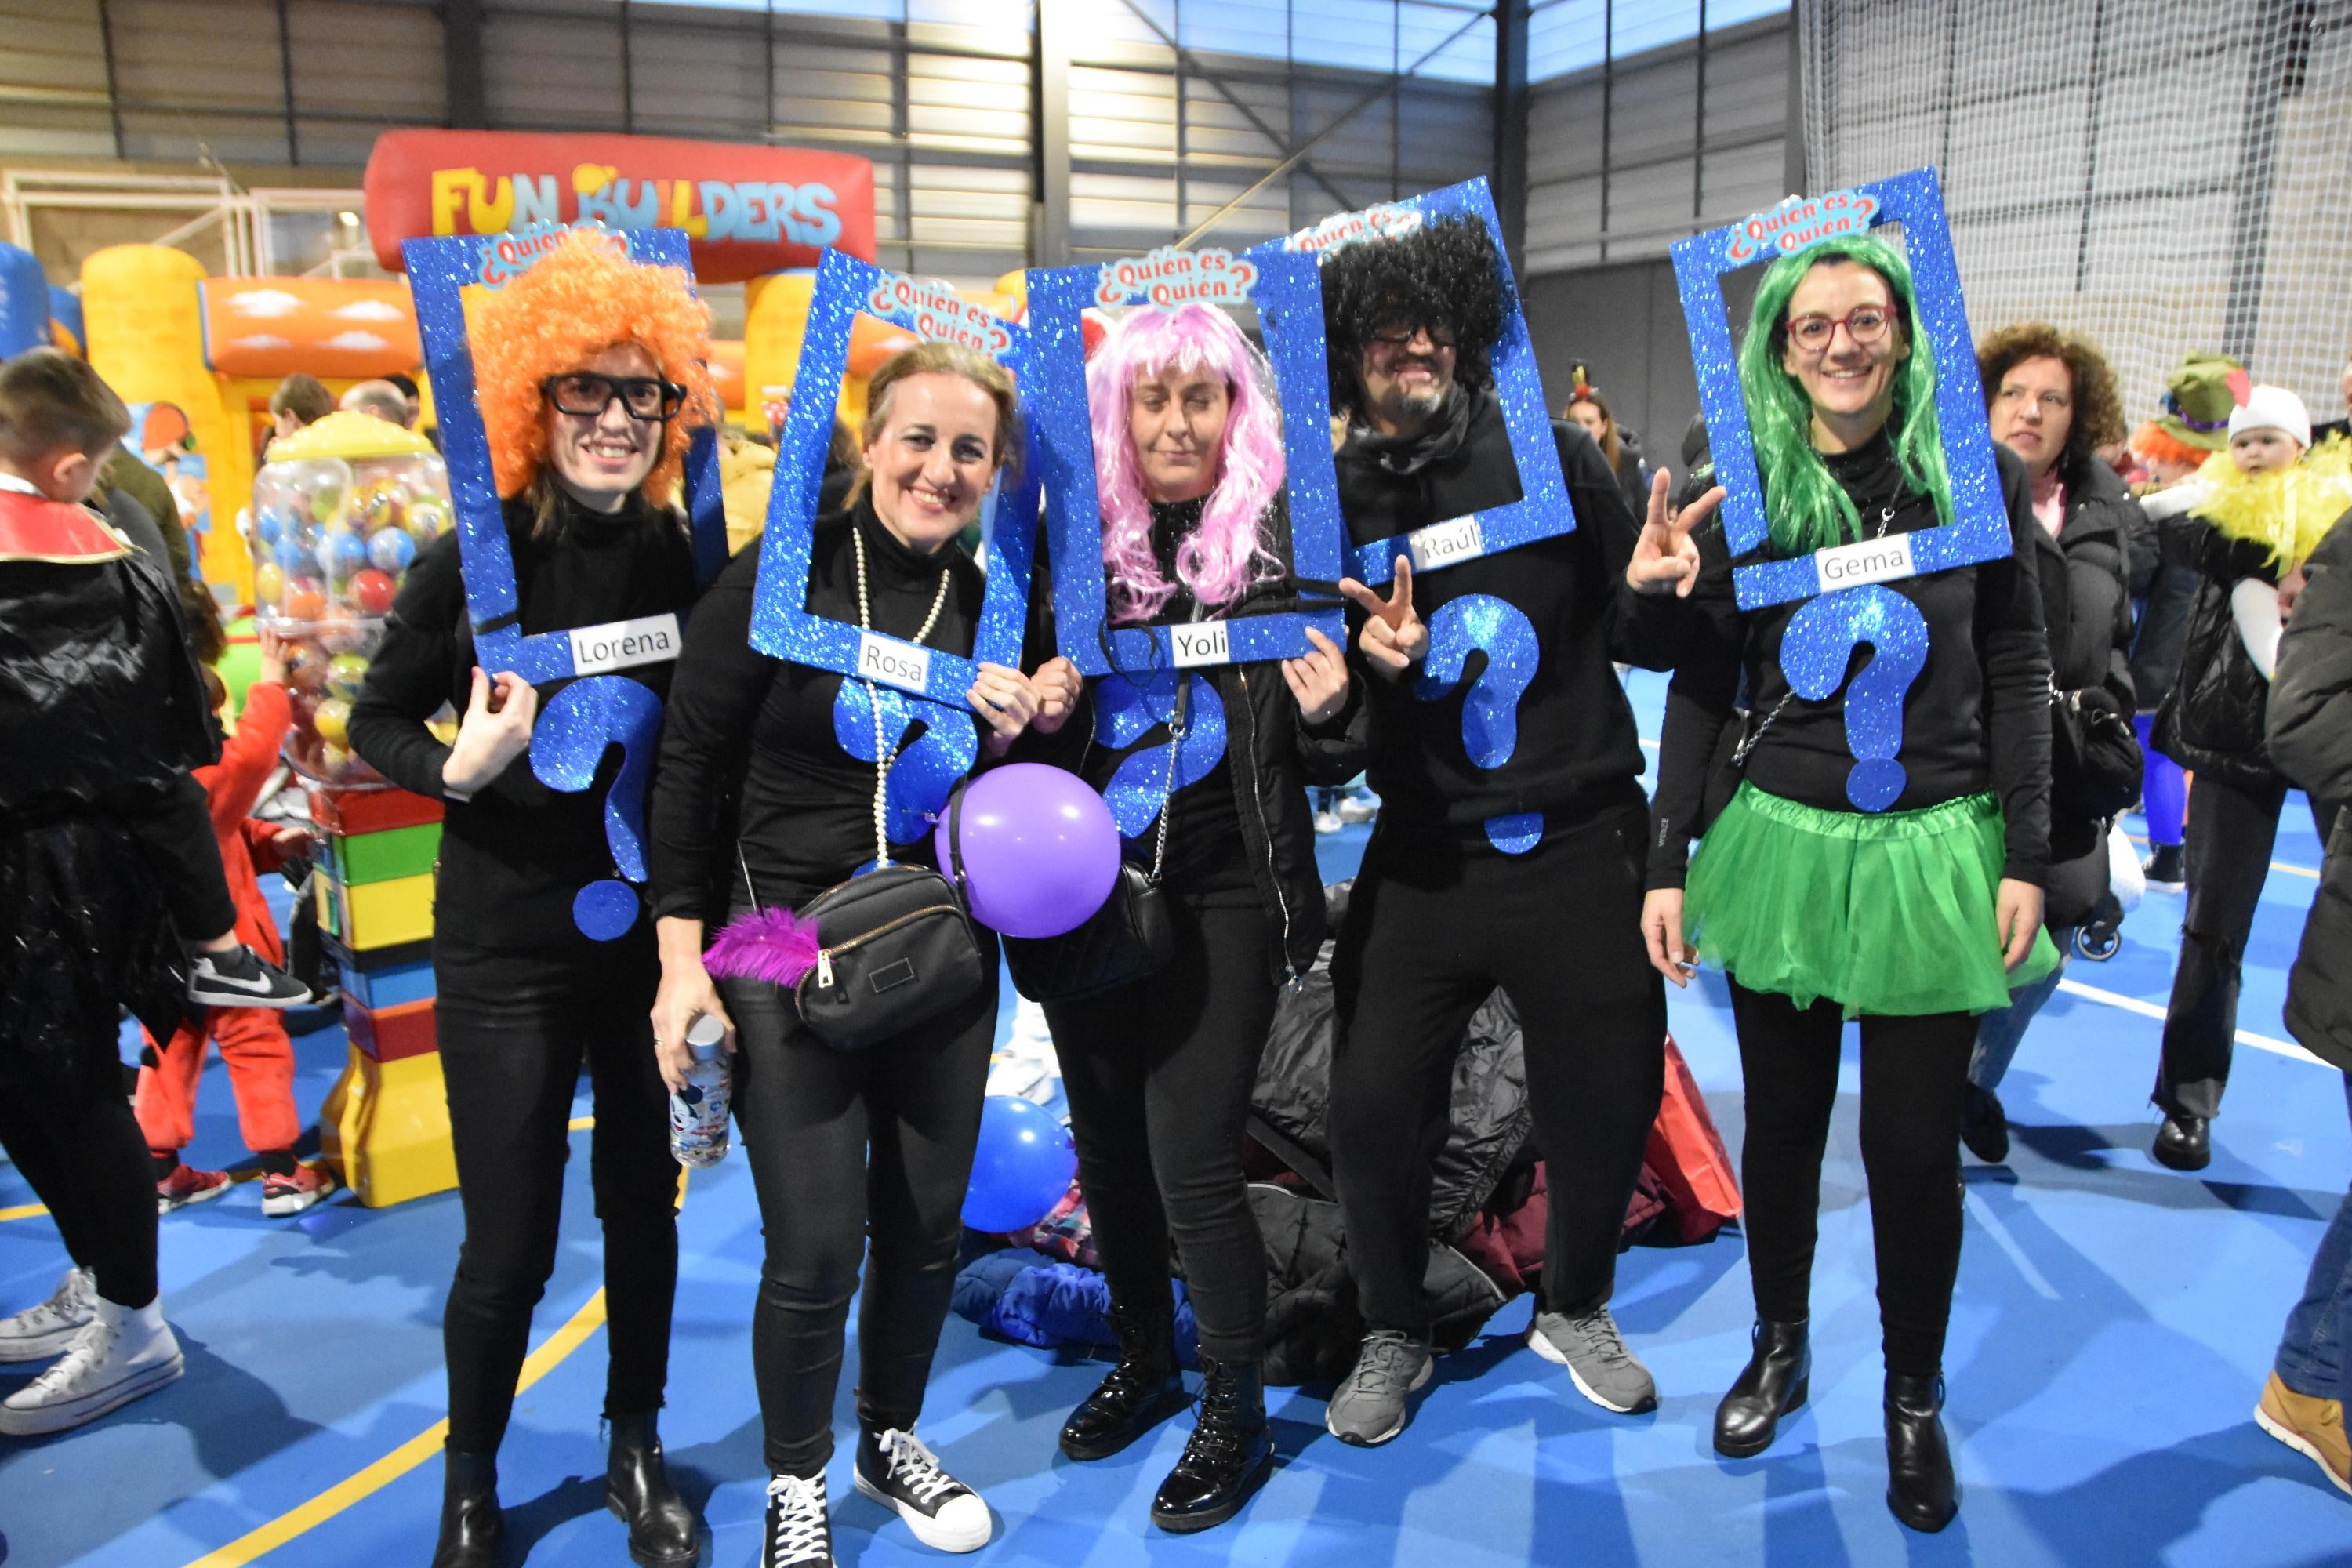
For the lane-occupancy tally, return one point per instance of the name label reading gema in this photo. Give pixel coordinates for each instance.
(1209, 642)
(624, 645)
(894, 663)
(1868, 560)
(1447, 544)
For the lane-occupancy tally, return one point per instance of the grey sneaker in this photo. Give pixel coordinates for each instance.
(1369, 1408)
(1595, 1355)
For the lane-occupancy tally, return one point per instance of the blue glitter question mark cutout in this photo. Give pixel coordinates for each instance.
(1490, 708)
(925, 772)
(1125, 710)
(566, 745)
(1814, 654)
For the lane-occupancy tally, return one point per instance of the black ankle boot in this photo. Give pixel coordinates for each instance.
(470, 1522)
(1143, 1390)
(1918, 1462)
(663, 1531)
(1778, 1376)
(1229, 1455)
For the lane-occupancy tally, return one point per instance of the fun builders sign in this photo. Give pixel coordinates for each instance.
(746, 209)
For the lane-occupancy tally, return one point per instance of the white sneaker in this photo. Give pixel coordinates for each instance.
(39, 1332)
(1357, 808)
(797, 1532)
(121, 1355)
(896, 1470)
(1327, 822)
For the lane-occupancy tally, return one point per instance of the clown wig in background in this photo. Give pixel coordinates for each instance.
(1807, 508)
(1226, 553)
(581, 297)
(1445, 276)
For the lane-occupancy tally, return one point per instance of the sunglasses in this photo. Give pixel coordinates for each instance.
(584, 394)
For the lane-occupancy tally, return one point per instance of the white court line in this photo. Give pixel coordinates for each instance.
(2151, 1010)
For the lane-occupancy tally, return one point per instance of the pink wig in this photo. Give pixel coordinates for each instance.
(1224, 556)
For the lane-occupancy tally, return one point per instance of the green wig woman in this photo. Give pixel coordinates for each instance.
(1807, 507)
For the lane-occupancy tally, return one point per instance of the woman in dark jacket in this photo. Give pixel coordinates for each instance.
(1188, 446)
(2051, 400)
(588, 366)
(2311, 740)
(1622, 448)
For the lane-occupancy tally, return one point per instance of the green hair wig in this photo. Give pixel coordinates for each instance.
(1807, 507)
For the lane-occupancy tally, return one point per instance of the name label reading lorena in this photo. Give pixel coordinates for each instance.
(894, 663)
(1207, 642)
(1447, 544)
(1868, 560)
(624, 645)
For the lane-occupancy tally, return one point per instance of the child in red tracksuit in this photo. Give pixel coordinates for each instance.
(253, 1042)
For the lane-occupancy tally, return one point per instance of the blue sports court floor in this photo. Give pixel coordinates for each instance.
(2112, 1327)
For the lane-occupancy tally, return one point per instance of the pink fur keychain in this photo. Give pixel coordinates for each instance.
(766, 944)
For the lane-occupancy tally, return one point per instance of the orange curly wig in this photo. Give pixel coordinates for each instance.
(578, 298)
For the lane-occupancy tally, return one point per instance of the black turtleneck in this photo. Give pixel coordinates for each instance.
(759, 730)
(513, 857)
(1976, 718)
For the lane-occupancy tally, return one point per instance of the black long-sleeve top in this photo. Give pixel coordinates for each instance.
(1576, 750)
(1977, 718)
(514, 856)
(757, 730)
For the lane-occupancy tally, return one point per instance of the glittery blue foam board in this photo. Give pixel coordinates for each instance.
(1286, 286)
(1979, 529)
(1294, 339)
(782, 625)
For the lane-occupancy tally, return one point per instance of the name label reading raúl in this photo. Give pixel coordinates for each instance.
(1447, 544)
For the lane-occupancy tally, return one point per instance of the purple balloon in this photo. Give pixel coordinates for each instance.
(1039, 848)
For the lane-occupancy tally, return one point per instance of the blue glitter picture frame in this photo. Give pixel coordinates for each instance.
(438, 273)
(1294, 336)
(1979, 530)
(1287, 283)
(781, 625)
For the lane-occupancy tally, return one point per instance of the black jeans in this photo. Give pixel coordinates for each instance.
(1913, 1070)
(514, 1035)
(1159, 1074)
(1428, 935)
(853, 1152)
(2231, 833)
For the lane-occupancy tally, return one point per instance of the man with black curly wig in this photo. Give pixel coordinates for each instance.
(1510, 841)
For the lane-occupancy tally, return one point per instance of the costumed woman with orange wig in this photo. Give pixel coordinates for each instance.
(590, 370)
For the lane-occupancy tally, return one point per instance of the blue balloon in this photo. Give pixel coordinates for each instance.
(1022, 1167)
(391, 550)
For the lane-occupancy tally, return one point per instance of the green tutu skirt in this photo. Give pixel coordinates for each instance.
(1886, 912)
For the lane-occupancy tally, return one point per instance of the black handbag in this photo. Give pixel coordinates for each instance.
(2096, 762)
(1125, 939)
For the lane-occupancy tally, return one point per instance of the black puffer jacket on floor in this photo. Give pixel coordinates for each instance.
(2311, 741)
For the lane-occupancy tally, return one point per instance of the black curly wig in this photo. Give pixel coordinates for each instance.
(1445, 274)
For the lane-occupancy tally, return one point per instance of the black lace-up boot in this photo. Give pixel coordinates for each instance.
(1143, 1390)
(1229, 1455)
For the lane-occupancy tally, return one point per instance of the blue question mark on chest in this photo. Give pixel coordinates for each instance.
(1126, 710)
(926, 771)
(1814, 653)
(566, 745)
(1480, 623)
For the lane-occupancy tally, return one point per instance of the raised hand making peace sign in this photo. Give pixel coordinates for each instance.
(1665, 556)
(1393, 638)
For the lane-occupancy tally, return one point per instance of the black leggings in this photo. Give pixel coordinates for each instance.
(1427, 936)
(2231, 833)
(513, 1037)
(1159, 1074)
(852, 1151)
(1913, 1070)
(78, 1146)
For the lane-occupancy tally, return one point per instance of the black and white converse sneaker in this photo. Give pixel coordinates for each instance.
(896, 1470)
(798, 1535)
(238, 978)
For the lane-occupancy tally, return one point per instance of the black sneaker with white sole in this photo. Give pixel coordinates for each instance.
(238, 978)
(898, 1471)
(799, 1534)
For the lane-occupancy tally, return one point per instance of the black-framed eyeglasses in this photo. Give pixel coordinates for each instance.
(1398, 337)
(584, 394)
(1865, 324)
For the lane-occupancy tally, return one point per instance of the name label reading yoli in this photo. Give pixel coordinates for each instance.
(1209, 642)
(894, 663)
(624, 645)
(1868, 560)
(1447, 544)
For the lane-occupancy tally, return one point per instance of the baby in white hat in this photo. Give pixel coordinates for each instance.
(2269, 431)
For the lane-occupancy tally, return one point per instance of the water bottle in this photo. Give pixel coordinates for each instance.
(697, 1113)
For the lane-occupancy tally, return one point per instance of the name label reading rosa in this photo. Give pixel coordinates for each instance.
(624, 645)
(1386, 221)
(1794, 225)
(1447, 544)
(1209, 642)
(894, 663)
(1868, 560)
(1169, 276)
(935, 311)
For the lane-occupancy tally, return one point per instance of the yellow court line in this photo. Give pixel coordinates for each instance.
(25, 1211)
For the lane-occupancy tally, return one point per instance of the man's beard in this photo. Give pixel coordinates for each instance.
(1415, 406)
